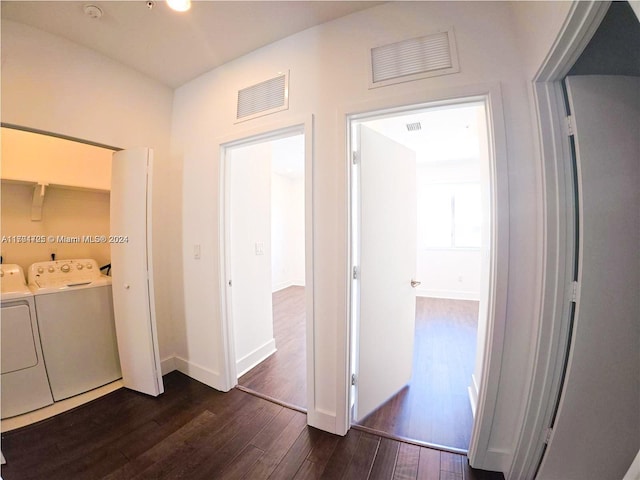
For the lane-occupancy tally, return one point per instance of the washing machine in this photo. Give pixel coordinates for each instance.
(75, 314)
(25, 386)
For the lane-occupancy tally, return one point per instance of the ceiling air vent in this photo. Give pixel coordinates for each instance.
(412, 59)
(263, 98)
(414, 127)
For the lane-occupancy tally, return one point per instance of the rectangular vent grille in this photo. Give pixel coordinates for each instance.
(414, 127)
(265, 97)
(415, 58)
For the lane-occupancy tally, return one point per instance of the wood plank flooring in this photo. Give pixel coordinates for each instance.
(194, 432)
(283, 375)
(434, 408)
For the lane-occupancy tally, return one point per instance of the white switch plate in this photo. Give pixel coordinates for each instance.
(259, 248)
(196, 251)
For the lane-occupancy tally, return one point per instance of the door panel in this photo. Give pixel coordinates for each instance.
(596, 432)
(388, 263)
(133, 301)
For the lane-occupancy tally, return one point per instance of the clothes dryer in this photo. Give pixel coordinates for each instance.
(25, 386)
(75, 313)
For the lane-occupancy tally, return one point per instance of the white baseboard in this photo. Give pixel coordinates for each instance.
(450, 294)
(497, 460)
(321, 420)
(473, 395)
(276, 287)
(249, 361)
(199, 373)
(290, 283)
(168, 364)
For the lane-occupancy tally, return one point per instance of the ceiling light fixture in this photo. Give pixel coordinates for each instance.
(179, 5)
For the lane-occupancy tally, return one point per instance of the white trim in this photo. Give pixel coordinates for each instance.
(322, 419)
(473, 395)
(168, 364)
(558, 237)
(489, 381)
(242, 135)
(202, 374)
(252, 359)
(496, 459)
(449, 294)
(286, 284)
(487, 398)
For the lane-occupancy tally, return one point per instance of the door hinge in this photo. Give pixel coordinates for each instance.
(354, 379)
(570, 125)
(574, 292)
(356, 273)
(547, 435)
(355, 157)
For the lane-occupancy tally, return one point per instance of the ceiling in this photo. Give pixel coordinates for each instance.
(173, 47)
(446, 134)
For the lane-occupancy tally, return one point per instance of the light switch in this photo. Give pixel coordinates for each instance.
(259, 248)
(196, 251)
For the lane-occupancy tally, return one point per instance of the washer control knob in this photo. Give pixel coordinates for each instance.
(89, 266)
(51, 269)
(65, 268)
(40, 270)
(79, 266)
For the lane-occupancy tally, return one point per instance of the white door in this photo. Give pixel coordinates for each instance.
(131, 269)
(387, 268)
(596, 433)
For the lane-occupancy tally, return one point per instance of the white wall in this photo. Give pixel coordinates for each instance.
(538, 25)
(287, 231)
(54, 85)
(449, 273)
(328, 72)
(250, 225)
(65, 212)
(446, 272)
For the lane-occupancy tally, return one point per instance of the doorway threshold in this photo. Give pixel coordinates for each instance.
(400, 438)
(271, 399)
(355, 426)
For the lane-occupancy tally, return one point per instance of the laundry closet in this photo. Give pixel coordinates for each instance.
(59, 336)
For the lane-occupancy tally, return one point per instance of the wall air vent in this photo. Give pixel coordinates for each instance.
(413, 59)
(263, 98)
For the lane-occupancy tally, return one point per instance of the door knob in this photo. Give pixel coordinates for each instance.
(415, 283)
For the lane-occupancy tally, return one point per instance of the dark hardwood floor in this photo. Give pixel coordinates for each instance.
(434, 407)
(194, 432)
(283, 375)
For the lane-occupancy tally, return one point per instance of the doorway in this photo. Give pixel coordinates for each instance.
(421, 252)
(266, 261)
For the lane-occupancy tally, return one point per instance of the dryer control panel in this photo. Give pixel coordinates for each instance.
(11, 278)
(59, 273)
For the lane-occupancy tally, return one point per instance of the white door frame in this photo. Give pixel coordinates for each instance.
(499, 245)
(271, 131)
(559, 238)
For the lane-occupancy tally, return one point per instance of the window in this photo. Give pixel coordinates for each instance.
(450, 216)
